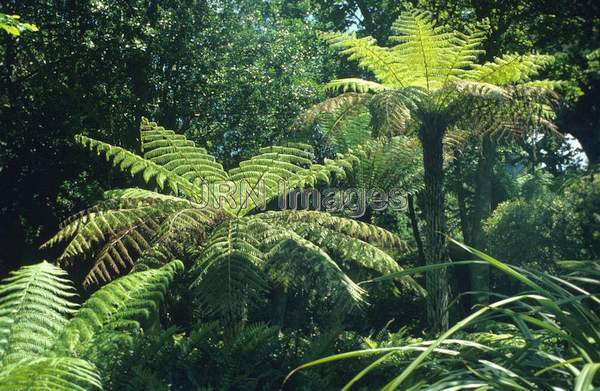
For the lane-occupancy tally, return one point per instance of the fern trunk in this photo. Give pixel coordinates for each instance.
(435, 242)
(415, 228)
(482, 207)
(463, 273)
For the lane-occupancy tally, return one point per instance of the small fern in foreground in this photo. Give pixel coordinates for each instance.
(41, 348)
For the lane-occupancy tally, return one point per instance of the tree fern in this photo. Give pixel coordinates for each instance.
(431, 59)
(119, 230)
(429, 84)
(241, 253)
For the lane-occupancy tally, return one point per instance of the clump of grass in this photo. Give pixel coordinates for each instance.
(546, 337)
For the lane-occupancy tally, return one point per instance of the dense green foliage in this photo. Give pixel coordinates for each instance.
(321, 214)
(542, 226)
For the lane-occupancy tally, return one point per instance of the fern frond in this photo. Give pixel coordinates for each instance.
(509, 69)
(391, 110)
(344, 134)
(455, 141)
(60, 374)
(426, 49)
(127, 302)
(278, 169)
(355, 229)
(120, 229)
(34, 304)
(355, 251)
(261, 177)
(343, 119)
(354, 85)
(245, 354)
(390, 164)
(179, 155)
(344, 104)
(478, 89)
(466, 47)
(151, 171)
(99, 226)
(245, 256)
(299, 262)
(155, 257)
(509, 112)
(228, 272)
(370, 56)
(122, 251)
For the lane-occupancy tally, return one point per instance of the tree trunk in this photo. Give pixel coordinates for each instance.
(415, 228)
(482, 207)
(463, 273)
(279, 305)
(437, 283)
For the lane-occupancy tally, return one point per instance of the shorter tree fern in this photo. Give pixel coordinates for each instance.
(237, 250)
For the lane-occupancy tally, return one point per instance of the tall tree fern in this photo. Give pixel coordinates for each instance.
(239, 249)
(429, 84)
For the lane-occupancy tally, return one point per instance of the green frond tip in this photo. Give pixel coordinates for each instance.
(127, 161)
(510, 69)
(56, 374)
(354, 85)
(132, 300)
(352, 228)
(34, 305)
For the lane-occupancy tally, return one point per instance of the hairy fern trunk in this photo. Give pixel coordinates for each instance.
(415, 227)
(463, 273)
(437, 283)
(482, 207)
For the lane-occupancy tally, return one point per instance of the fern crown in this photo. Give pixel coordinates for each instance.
(431, 70)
